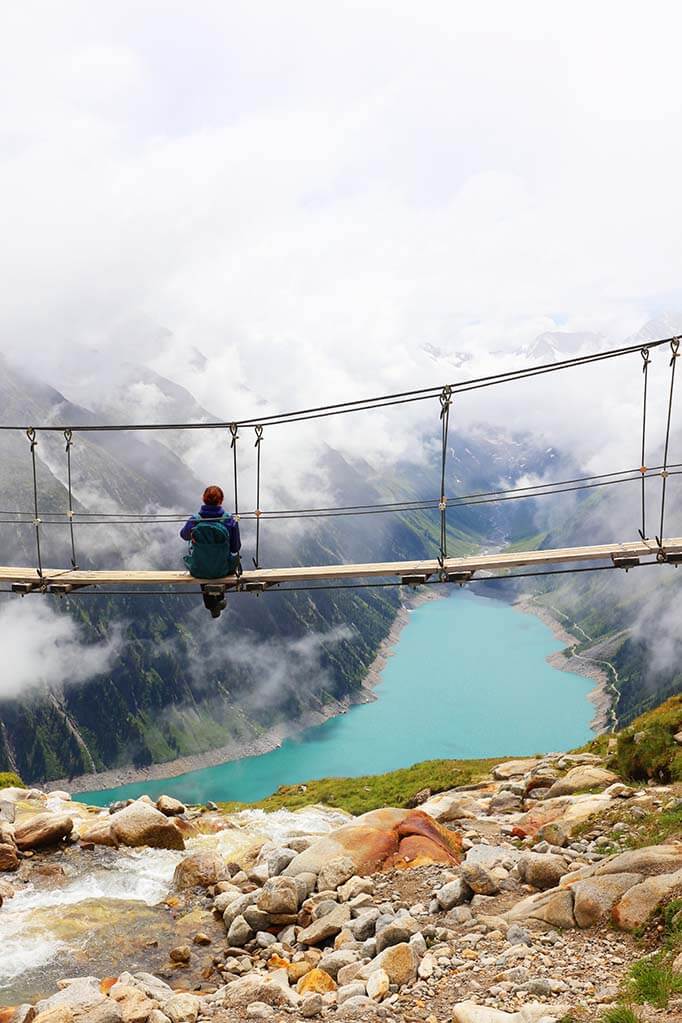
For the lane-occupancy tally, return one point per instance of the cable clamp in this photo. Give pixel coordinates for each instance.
(259, 435)
(70, 513)
(664, 474)
(442, 504)
(31, 434)
(233, 430)
(645, 356)
(675, 347)
(445, 399)
(68, 435)
(643, 469)
(37, 521)
(258, 513)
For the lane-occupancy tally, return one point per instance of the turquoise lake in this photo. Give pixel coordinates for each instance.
(467, 678)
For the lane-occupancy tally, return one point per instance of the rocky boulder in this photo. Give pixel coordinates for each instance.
(594, 897)
(142, 824)
(584, 776)
(381, 840)
(42, 830)
(199, 870)
(170, 807)
(542, 871)
(639, 901)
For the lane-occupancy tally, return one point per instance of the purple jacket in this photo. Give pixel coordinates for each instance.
(211, 511)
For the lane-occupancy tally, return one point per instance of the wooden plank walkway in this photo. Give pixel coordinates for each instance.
(54, 578)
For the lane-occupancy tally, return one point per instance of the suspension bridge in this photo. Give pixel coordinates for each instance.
(442, 568)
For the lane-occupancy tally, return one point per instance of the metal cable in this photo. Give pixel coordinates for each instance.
(642, 464)
(445, 402)
(68, 437)
(258, 513)
(364, 404)
(675, 347)
(31, 434)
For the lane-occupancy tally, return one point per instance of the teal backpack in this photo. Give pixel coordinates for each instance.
(209, 551)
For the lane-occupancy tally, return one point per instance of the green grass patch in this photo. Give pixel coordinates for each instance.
(653, 982)
(368, 792)
(647, 748)
(619, 1014)
(10, 780)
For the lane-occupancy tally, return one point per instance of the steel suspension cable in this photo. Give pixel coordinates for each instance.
(68, 437)
(675, 348)
(259, 438)
(642, 464)
(364, 404)
(445, 402)
(31, 434)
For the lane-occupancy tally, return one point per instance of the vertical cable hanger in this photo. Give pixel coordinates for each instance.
(675, 349)
(234, 431)
(642, 463)
(445, 402)
(68, 437)
(259, 438)
(31, 434)
(233, 444)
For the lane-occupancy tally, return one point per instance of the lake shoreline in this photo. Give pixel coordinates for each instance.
(601, 697)
(256, 746)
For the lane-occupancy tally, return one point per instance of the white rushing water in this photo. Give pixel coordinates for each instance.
(31, 925)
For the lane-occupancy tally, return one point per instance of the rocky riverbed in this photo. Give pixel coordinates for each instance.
(511, 901)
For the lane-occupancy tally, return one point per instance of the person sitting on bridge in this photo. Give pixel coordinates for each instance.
(214, 541)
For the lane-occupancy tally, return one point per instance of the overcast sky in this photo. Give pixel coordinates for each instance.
(309, 192)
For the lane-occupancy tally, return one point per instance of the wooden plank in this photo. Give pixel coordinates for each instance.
(379, 570)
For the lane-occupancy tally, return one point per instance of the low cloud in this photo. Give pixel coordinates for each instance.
(44, 648)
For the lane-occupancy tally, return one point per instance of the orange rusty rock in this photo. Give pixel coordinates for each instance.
(6, 1013)
(316, 982)
(417, 851)
(296, 971)
(106, 984)
(276, 962)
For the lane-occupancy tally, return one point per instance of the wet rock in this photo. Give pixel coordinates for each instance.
(45, 829)
(180, 954)
(170, 807)
(141, 824)
(9, 859)
(200, 870)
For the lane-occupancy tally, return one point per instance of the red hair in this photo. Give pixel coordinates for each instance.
(213, 496)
